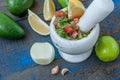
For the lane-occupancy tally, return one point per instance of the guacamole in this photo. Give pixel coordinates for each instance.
(66, 28)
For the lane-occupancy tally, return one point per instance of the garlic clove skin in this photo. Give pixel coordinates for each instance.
(64, 71)
(55, 70)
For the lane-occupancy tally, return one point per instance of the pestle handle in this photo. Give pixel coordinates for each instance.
(96, 12)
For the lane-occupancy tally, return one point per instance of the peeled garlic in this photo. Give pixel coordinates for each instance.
(64, 71)
(55, 70)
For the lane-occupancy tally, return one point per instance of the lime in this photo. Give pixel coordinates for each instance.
(63, 3)
(107, 49)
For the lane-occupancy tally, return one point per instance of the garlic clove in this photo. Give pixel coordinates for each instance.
(55, 70)
(64, 71)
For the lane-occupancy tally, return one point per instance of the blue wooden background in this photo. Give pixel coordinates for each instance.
(16, 63)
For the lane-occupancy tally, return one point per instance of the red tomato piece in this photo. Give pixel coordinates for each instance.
(74, 34)
(59, 14)
(68, 29)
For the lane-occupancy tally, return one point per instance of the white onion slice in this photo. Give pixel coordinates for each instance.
(42, 53)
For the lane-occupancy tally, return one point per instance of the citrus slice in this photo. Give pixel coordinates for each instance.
(75, 9)
(37, 24)
(48, 10)
(42, 53)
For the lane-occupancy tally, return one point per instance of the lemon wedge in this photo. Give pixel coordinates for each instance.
(42, 53)
(48, 10)
(37, 24)
(75, 9)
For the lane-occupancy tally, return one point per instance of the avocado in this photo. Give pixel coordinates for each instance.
(9, 28)
(19, 7)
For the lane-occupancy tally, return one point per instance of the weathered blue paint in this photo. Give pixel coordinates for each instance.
(116, 78)
(117, 3)
(116, 71)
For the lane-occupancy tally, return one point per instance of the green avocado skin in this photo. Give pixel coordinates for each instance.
(19, 7)
(9, 28)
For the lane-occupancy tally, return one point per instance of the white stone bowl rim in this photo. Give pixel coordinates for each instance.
(92, 33)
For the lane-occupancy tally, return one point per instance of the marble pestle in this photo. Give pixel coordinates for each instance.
(95, 13)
